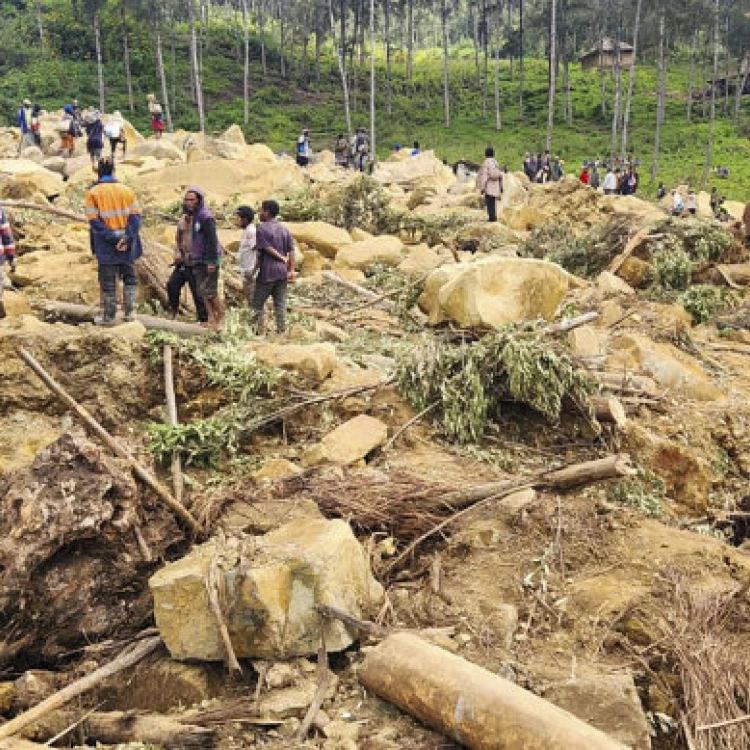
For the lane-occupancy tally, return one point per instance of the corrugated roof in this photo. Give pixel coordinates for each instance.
(607, 45)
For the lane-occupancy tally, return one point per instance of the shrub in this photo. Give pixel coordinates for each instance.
(673, 267)
(702, 302)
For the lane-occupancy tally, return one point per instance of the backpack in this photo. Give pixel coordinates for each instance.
(113, 130)
(301, 148)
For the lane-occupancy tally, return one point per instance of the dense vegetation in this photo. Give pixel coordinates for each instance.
(299, 87)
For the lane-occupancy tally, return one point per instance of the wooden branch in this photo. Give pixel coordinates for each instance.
(324, 680)
(568, 325)
(612, 467)
(61, 697)
(119, 450)
(722, 724)
(86, 314)
(365, 626)
(213, 582)
(12, 743)
(409, 424)
(46, 209)
(177, 480)
(735, 274)
(357, 289)
(609, 409)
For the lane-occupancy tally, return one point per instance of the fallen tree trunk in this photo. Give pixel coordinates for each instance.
(154, 269)
(360, 290)
(177, 480)
(11, 743)
(47, 209)
(736, 274)
(478, 709)
(589, 472)
(86, 314)
(121, 727)
(119, 450)
(127, 659)
(610, 410)
(568, 325)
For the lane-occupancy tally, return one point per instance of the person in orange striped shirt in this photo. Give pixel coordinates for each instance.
(114, 223)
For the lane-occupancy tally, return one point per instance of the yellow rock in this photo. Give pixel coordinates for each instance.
(276, 468)
(349, 442)
(420, 259)
(315, 362)
(319, 235)
(385, 249)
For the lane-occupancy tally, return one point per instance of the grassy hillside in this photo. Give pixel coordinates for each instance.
(280, 107)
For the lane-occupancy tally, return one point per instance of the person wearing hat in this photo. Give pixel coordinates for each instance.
(247, 255)
(92, 123)
(24, 121)
(67, 131)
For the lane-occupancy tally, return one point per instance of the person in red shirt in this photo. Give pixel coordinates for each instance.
(584, 177)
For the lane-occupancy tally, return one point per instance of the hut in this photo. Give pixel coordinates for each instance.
(603, 55)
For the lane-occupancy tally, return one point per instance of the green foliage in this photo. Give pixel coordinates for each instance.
(701, 301)
(470, 380)
(672, 265)
(644, 492)
(703, 240)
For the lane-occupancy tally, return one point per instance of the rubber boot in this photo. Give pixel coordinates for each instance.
(109, 318)
(129, 294)
(3, 312)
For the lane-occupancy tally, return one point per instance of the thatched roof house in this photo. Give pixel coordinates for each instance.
(603, 55)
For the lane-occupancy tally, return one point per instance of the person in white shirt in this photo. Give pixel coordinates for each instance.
(677, 204)
(692, 203)
(610, 182)
(247, 256)
(115, 132)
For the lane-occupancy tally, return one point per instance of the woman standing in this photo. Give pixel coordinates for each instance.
(490, 182)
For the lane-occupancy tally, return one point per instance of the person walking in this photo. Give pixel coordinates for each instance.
(341, 151)
(157, 116)
(92, 123)
(275, 248)
(7, 255)
(594, 179)
(24, 121)
(490, 182)
(247, 255)
(691, 202)
(584, 177)
(204, 252)
(67, 127)
(416, 149)
(115, 132)
(678, 206)
(714, 200)
(114, 218)
(304, 150)
(184, 272)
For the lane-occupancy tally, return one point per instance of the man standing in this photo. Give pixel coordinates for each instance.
(276, 259)
(184, 272)
(114, 222)
(304, 150)
(247, 255)
(92, 122)
(7, 253)
(746, 222)
(490, 182)
(204, 253)
(610, 182)
(23, 120)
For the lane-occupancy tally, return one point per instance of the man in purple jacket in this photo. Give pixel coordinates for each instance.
(275, 248)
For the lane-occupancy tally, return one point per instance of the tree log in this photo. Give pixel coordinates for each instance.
(119, 450)
(126, 659)
(737, 274)
(626, 382)
(177, 480)
(11, 743)
(475, 707)
(610, 410)
(116, 727)
(86, 314)
(47, 209)
(568, 325)
(589, 472)
(360, 290)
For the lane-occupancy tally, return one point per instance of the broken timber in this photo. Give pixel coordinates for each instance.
(475, 707)
(119, 450)
(87, 313)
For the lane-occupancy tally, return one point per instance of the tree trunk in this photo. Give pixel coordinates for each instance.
(126, 52)
(172, 69)
(631, 81)
(552, 72)
(246, 63)
(693, 53)
(409, 39)
(712, 116)
(473, 22)
(510, 33)
(485, 55)
(498, 107)
(372, 79)
(282, 43)
(319, 39)
(196, 67)
(162, 76)
(520, 59)
(618, 83)
(99, 62)
(262, 30)
(741, 83)
(388, 82)
(704, 76)
(342, 69)
(40, 22)
(660, 94)
(446, 81)
(726, 67)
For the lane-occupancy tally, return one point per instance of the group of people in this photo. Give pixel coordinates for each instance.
(682, 206)
(75, 123)
(617, 180)
(542, 168)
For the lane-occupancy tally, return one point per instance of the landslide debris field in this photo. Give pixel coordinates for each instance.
(522, 447)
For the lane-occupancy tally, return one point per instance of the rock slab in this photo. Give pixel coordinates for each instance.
(274, 583)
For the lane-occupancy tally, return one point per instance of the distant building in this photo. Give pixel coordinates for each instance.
(603, 55)
(731, 83)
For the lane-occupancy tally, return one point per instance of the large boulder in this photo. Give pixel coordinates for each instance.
(385, 249)
(27, 178)
(275, 582)
(494, 292)
(313, 362)
(422, 171)
(666, 364)
(609, 703)
(319, 235)
(419, 260)
(159, 149)
(514, 191)
(234, 134)
(349, 442)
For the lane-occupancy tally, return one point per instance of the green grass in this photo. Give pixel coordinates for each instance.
(279, 108)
